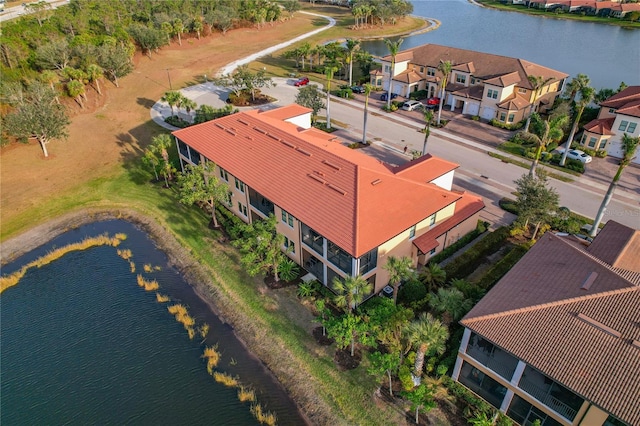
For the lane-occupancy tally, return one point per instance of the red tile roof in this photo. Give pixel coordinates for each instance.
(618, 245)
(425, 169)
(573, 317)
(600, 126)
(287, 112)
(466, 207)
(622, 98)
(352, 199)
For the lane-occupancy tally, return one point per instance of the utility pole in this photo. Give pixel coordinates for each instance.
(169, 77)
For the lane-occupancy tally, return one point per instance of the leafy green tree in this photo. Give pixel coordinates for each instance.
(536, 201)
(451, 303)
(245, 80)
(152, 162)
(351, 291)
(433, 276)
(394, 47)
(428, 336)
(167, 29)
(53, 55)
(421, 398)
(147, 38)
(388, 322)
(543, 133)
(629, 148)
(586, 96)
(352, 47)
(349, 329)
(291, 6)
(222, 18)
(261, 247)
(173, 98)
(309, 96)
(197, 26)
(400, 269)
(384, 364)
(40, 10)
(198, 184)
(115, 61)
(37, 115)
(367, 92)
(445, 68)
(51, 78)
(428, 119)
(324, 315)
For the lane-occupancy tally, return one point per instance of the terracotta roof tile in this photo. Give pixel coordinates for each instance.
(618, 245)
(286, 112)
(472, 92)
(408, 76)
(620, 99)
(337, 191)
(425, 169)
(600, 126)
(631, 108)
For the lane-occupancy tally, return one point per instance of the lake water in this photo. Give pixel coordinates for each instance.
(608, 54)
(83, 344)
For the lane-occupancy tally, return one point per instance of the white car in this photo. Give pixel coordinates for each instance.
(576, 154)
(411, 105)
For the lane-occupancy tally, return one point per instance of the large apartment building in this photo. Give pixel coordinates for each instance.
(342, 212)
(482, 84)
(558, 338)
(618, 115)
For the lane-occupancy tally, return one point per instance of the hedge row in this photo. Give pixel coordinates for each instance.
(463, 265)
(498, 270)
(466, 239)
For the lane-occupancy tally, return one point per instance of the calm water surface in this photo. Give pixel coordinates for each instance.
(608, 54)
(83, 344)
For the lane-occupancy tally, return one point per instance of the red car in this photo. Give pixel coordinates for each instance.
(302, 81)
(433, 101)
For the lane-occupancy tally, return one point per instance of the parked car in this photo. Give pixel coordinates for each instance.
(384, 96)
(576, 154)
(302, 81)
(357, 89)
(433, 101)
(411, 105)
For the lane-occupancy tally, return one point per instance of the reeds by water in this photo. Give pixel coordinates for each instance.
(101, 240)
(148, 285)
(267, 418)
(125, 254)
(132, 266)
(246, 394)
(212, 356)
(226, 379)
(161, 298)
(203, 330)
(183, 317)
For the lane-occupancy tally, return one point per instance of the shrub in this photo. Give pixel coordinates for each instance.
(306, 289)
(420, 94)
(475, 118)
(404, 374)
(498, 270)
(176, 121)
(288, 270)
(466, 239)
(507, 126)
(601, 153)
(412, 291)
(468, 261)
(551, 147)
(574, 165)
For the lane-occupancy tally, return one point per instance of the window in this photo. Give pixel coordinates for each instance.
(511, 118)
(387, 68)
(432, 220)
(368, 261)
(623, 126)
(421, 70)
(432, 252)
(224, 175)
(239, 185)
(289, 245)
(521, 90)
(462, 79)
(228, 200)
(631, 128)
(493, 94)
(603, 143)
(287, 218)
(473, 80)
(592, 142)
(339, 257)
(503, 116)
(412, 232)
(612, 110)
(431, 72)
(584, 139)
(242, 209)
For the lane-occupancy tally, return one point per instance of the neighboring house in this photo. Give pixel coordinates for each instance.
(342, 212)
(618, 114)
(614, 9)
(558, 337)
(482, 84)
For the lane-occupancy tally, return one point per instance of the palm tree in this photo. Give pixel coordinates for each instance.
(178, 28)
(428, 336)
(433, 276)
(393, 51)
(629, 146)
(94, 74)
(351, 292)
(76, 90)
(329, 69)
(451, 303)
(352, 47)
(428, 118)
(546, 131)
(160, 146)
(537, 83)
(400, 269)
(586, 96)
(576, 85)
(367, 92)
(51, 78)
(173, 98)
(445, 68)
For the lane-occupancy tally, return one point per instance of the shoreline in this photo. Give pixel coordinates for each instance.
(195, 274)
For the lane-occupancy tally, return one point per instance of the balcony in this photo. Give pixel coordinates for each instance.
(483, 385)
(313, 239)
(544, 395)
(494, 358)
(260, 203)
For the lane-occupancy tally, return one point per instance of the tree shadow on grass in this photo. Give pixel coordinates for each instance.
(147, 103)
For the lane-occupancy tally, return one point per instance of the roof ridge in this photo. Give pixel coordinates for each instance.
(356, 212)
(552, 304)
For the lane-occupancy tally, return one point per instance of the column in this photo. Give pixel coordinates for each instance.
(463, 349)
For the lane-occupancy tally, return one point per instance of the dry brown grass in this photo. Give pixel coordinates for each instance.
(246, 394)
(265, 418)
(161, 298)
(226, 379)
(183, 317)
(125, 254)
(148, 285)
(212, 356)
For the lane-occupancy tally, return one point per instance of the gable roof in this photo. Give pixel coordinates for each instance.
(484, 66)
(573, 317)
(622, 98)
(618, 245)
(352, 199)
(600, 126)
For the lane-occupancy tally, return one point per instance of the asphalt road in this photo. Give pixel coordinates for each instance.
(17, 11)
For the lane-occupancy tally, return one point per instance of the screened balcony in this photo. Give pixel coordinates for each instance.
(259, 202)
(491, 356)
(339, 257)
(313, 265)
(483, 385)
(550, 393)
(313, 239)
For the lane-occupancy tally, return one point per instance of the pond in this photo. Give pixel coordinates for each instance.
(82, 343)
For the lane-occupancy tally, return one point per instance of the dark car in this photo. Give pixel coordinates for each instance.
(357, 89)
(384, 96)
(302, 81)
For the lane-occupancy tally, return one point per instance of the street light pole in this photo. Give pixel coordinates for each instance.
(169, 77)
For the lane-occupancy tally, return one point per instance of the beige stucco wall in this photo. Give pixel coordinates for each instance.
(292, 233)
(594, 417)
(398, 246)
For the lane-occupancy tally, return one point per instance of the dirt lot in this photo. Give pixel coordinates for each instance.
(117, 124)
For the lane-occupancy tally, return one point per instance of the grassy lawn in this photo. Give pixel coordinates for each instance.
(540, 12)
(519, 150)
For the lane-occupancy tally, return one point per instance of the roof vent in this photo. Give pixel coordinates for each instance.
(317, 178)
(243, 122)
(599, 325)
(375, 182)
(230, 132)
(249, 137)
(258, 129)
(586, 285)
(338, 190)
(333, 166)
(635, 343)
(219, 126)
(289, 144)
(302, 151)
(273, 136)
